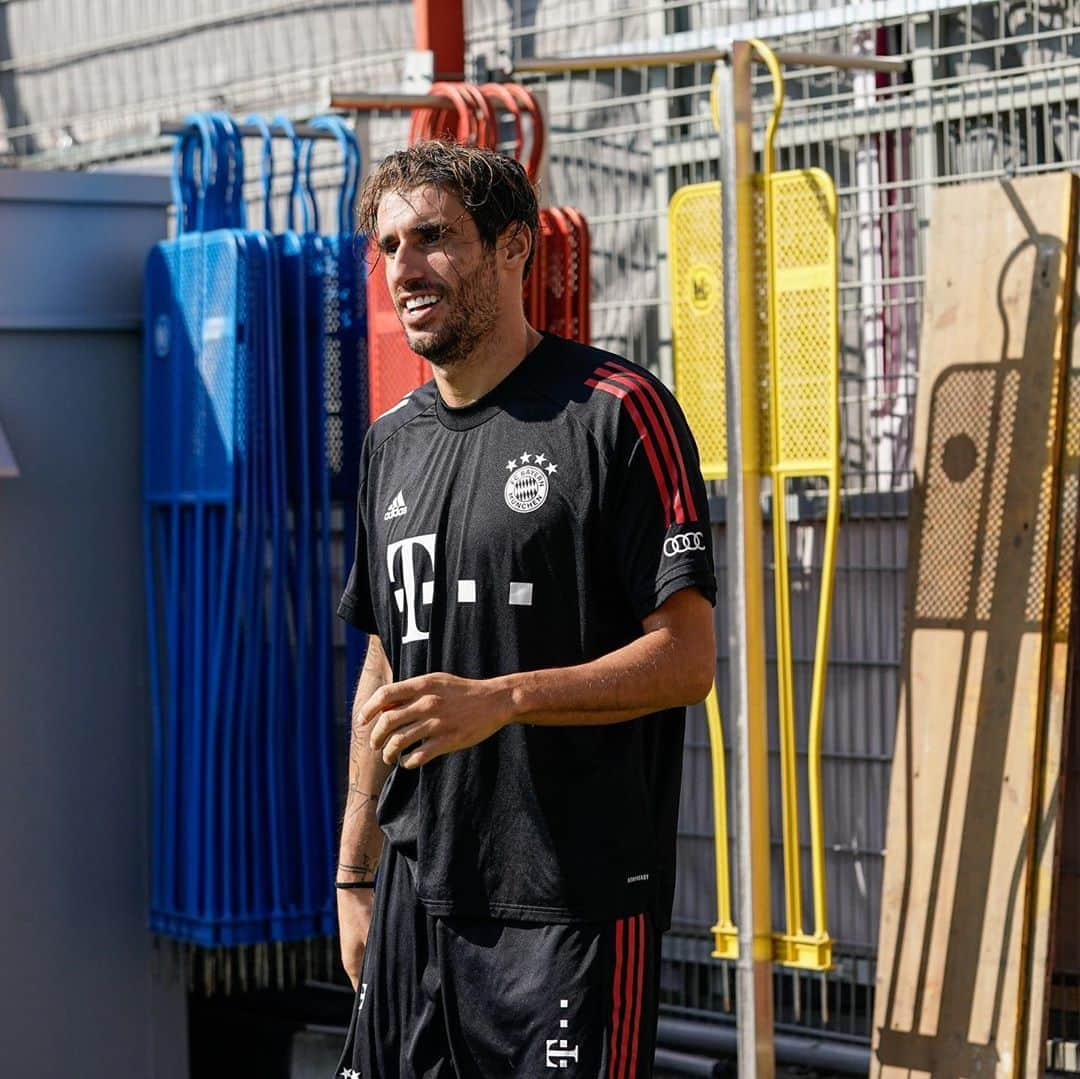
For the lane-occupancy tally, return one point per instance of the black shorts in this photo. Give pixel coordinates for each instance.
(456, 998)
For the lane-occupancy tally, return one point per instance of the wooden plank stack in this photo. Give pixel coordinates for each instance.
(976, 795)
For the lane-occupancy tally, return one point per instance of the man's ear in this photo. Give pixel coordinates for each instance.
(515, 244)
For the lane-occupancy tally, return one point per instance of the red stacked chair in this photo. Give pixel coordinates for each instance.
(558, 288)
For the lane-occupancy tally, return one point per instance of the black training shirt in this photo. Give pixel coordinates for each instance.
(535, 528)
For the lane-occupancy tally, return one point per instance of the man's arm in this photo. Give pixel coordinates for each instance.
(670, 665)
(361, 839)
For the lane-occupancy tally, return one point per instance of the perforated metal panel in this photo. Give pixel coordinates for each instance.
(332, 358)
(806, 331)
(393, 368)
(806, 343)
(1069, 510)
(697, 314)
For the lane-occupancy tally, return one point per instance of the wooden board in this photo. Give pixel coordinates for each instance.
(960, 836)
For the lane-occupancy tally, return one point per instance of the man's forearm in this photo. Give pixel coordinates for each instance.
(670, 665)
(662, 669)
(361, 838)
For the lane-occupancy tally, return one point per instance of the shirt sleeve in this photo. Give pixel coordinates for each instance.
(355, 606)
(662, 536)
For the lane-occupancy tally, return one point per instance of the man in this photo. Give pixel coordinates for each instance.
(534, 569)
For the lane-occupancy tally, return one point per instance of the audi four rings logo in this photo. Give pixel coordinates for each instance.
(685, 541)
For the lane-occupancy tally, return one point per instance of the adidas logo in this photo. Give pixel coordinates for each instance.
(397, 508)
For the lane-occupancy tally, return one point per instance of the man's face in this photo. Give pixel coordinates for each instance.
(443, 281)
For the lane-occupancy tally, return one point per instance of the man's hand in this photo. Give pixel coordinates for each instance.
(443, 711)
(354, 921)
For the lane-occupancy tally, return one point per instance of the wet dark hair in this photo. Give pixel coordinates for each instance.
(491, 186)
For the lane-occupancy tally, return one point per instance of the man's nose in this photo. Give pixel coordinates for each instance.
(408, 264)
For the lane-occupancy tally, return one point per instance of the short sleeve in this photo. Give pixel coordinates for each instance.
(661, 511)
(355, 606)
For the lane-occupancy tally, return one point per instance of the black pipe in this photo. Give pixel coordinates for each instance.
(669, 1062)
(720, 1039)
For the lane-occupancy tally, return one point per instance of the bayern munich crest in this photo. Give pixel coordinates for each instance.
(527, 488)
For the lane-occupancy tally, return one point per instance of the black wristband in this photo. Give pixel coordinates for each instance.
(349, 885)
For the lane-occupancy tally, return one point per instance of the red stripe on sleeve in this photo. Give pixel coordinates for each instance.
(616, 1003)
(665, 419)
(637, 387)
(646, 438)
(643, 951)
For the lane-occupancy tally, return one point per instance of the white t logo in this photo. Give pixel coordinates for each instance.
(406, 596)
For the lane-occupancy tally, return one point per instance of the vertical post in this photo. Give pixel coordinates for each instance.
(925, 150)
(659, 116)
(745, 584)
(439, 27)
(881, 426)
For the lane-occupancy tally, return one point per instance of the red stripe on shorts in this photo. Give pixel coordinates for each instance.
(643, 951)
(633, 955)
(616, 1002)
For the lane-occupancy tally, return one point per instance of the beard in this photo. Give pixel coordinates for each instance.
(474, 306)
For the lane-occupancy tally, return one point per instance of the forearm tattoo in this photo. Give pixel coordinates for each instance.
(358, 800)
(365, 867)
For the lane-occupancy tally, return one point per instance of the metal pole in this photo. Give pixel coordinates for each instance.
(439, 26)
(745, 585)
(610, 61)
(303, 131)
(361, 102)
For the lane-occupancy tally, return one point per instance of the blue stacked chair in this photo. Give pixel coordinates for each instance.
(344, 335)
(254, 403)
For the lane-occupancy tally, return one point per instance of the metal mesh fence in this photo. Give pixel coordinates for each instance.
(992, 89)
